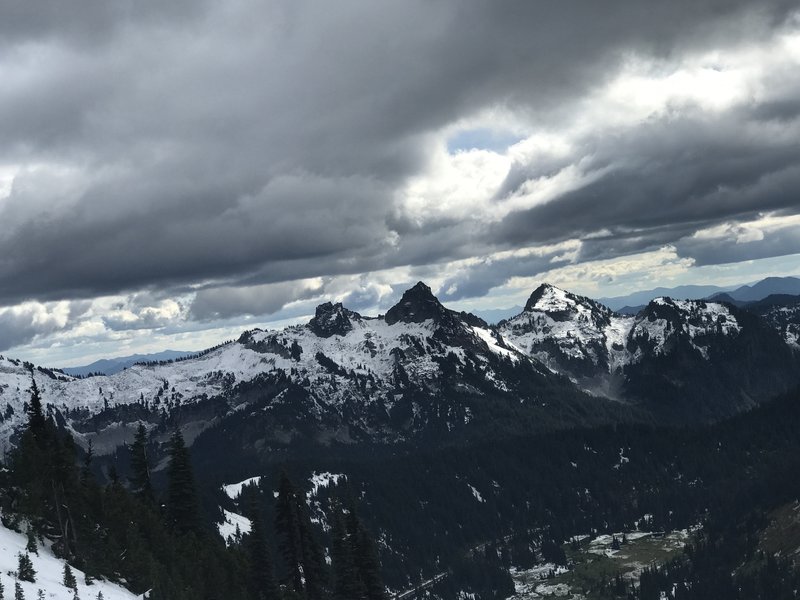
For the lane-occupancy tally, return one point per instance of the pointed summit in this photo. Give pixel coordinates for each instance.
(562, 305)
(549, 298)
(418, 304)
(332, 319)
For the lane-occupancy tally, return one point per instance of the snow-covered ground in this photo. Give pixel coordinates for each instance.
(49, 574)
(233, 522)
(323, 480)
(369, 347)
(234, 490)
(534, 583)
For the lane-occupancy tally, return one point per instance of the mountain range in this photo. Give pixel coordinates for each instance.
(423, 373)
(737, 294)
(109, 366)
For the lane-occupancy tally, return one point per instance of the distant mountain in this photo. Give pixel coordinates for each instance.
(726, 297)
(631, 310)
(682, 292)
(735, 294)
(110, 366)
(495, 315)
(766, 287)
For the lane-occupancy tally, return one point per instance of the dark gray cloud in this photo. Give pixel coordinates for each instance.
(263, 142)
(225, 154)
(669, 177)
(479, 279)
(737, 247)
(225, 302)
(24, 324)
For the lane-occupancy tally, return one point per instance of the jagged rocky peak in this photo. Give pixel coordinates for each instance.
(418, 304)
(332, 319)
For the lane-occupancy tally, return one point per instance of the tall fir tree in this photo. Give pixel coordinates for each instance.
(31, 546)
(262, 574)
(312, 556)
(140, 466)
(182, 504)
(346, 582)
(369, 565)
(25, 570)
(365, 555)
(69, 578)
(287, 529)
(36, 420)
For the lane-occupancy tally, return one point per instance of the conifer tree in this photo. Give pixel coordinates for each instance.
(18, 593)
(369, 565)
(262, 575)
(287, 528)
(69, 578)
(31, 546)
(87, 463)
(302, 554)
(182, 507)
(312, 556)
(25, 570)
(365, 555)
(140, 467)
(346, 582)
(2, 591)
(36, 420)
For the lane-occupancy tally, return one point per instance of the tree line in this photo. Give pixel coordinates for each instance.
(156, 541)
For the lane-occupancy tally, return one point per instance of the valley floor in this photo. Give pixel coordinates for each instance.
(597, 560)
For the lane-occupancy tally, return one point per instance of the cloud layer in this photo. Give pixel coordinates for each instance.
(240, 158)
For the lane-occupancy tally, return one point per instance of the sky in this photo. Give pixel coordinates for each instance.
(172, 173)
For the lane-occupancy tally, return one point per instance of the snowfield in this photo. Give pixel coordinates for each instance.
(49, 574)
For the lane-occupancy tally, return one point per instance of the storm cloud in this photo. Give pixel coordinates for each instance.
(226, 153)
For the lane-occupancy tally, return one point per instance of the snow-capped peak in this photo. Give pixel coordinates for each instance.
(549, 298)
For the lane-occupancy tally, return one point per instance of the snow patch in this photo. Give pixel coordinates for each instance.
(323, 480)
(476, 493)
(227, 529)
(490, 340)
(234, 490)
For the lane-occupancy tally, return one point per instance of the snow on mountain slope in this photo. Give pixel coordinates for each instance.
(338, 358)
(233, 526)
(783, 314)
(665, 322)
(348, 377)
(599, 349)
(569, 333)
(49, 573)
(234, 490)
